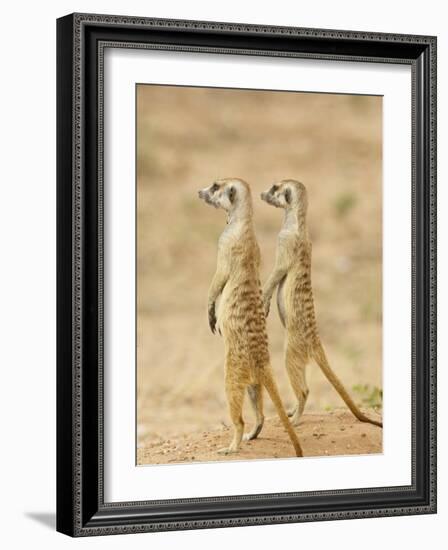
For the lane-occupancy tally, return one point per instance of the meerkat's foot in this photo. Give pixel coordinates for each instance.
(295, 418)
(292, 412)
(227, 451)
(254, 433)
(297, 411)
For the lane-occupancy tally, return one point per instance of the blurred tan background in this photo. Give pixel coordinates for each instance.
(187, 137)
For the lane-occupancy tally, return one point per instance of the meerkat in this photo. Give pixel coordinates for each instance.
(240, 318)
(292, 278)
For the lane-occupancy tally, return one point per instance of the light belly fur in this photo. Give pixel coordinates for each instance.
(281, 301)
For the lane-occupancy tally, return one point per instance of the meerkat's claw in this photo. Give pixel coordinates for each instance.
(212, 319)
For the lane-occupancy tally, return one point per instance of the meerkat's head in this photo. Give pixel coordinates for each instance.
(228, 194)
(286, 194)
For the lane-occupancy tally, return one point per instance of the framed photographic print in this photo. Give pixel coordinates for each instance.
(246, 274)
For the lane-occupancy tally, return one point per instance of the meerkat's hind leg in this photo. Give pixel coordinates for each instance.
(296, 362)
(235, 398)
(255, 392)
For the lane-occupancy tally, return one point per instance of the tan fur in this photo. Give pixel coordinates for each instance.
(292, 277)
(240, 316)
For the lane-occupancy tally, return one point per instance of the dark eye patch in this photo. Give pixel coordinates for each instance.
(231, 193)
(273, 189)
(214, 188)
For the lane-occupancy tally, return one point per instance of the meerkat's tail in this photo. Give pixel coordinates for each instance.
(321, 359)
(271, 388)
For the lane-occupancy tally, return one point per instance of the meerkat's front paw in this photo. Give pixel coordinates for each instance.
(266, 307)
(212, 318)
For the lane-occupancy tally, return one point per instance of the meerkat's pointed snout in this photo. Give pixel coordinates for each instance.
(270, 196)
(207, 194)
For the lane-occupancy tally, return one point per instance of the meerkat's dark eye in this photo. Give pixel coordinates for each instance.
(273, 189)
(214, 188)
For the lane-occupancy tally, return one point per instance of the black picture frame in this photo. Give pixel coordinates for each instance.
(81, 510)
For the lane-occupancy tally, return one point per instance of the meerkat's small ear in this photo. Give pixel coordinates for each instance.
(231, 193)
(288, 195)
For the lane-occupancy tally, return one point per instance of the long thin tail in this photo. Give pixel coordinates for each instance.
(321, 360)
(271, 388)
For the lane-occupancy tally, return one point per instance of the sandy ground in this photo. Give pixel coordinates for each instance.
(334, 433)
(187, 137)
